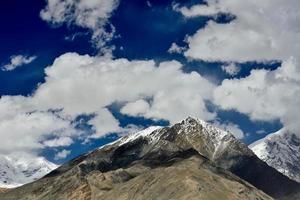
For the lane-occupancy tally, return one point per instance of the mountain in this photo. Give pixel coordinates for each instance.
(189, 160)
(280, 150)
(21, 169)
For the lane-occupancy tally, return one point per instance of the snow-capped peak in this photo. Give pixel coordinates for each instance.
(214, 139)
(17, 170)
(280, 150)
(214, 133)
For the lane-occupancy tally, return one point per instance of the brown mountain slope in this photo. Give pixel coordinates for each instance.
(2, 190)
(186, 175)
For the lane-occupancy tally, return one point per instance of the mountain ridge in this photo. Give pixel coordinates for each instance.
(212, 153)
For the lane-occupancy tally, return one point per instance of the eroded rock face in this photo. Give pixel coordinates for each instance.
(189, 160)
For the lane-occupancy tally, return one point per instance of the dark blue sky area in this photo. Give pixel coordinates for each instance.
(144, 33)
(23, 32)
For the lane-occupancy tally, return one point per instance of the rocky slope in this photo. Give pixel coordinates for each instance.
(3, 190)
(280, 150)
(21, 169)
(190, 160)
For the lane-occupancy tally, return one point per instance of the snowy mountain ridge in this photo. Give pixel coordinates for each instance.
(216, 134)
(280, 150)
(179, 158)
(19, 170)
(216, 138)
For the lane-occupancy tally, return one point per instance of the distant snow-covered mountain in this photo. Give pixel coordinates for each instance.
(280, 150)
(18, 170)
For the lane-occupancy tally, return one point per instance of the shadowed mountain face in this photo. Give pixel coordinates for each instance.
(190, 160)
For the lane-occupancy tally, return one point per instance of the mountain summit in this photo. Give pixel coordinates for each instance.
(188, 160)
(21, 169)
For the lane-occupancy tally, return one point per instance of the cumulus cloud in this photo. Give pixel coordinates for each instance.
(265, 95)
(78, 85)
(62, 154)
(25, 131)
(104, 123)
(90, 14)
(197, 10)
(17, 61)
(58, 142)
(84, 84)
(231, 69)
(136, 108)
(257, 33)
(176, 49)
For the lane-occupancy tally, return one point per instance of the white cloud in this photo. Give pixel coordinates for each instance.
(17, 61)
(257, 33)
(58, 142)
(104, 123)
(265, 95)
(176, 49)
(232, 128)
(26, 131)
(90, 14)
(62, 154)
(99, 82)
(77, 85)
(198, 10)
(231, 69)
(136, 108)
(235, 130)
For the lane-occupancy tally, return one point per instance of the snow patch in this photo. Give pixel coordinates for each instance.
(146, 133)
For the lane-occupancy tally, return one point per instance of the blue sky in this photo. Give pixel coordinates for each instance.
(145, 30)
